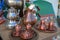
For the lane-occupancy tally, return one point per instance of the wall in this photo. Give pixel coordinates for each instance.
(55, 5)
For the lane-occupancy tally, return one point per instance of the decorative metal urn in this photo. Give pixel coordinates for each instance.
(12, 17)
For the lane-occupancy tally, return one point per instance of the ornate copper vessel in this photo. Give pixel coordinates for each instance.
(51, 26)
(28, 33)
(16, 33)
(30, 17)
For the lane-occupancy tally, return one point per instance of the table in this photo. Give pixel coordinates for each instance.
(42, 36)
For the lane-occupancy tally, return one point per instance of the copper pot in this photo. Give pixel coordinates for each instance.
(51, 26)
(30, 17)
(17, 31)
(41, 25)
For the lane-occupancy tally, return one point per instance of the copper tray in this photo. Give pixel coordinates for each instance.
(35, 37)
(46, 31)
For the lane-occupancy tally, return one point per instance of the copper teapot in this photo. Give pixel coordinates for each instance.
(51, 26)
(30, 17)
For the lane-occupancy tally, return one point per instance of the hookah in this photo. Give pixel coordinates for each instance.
(24, 31)
(2, 19)
(14, 13)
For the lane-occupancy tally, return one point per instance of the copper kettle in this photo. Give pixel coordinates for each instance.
(30, 17)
